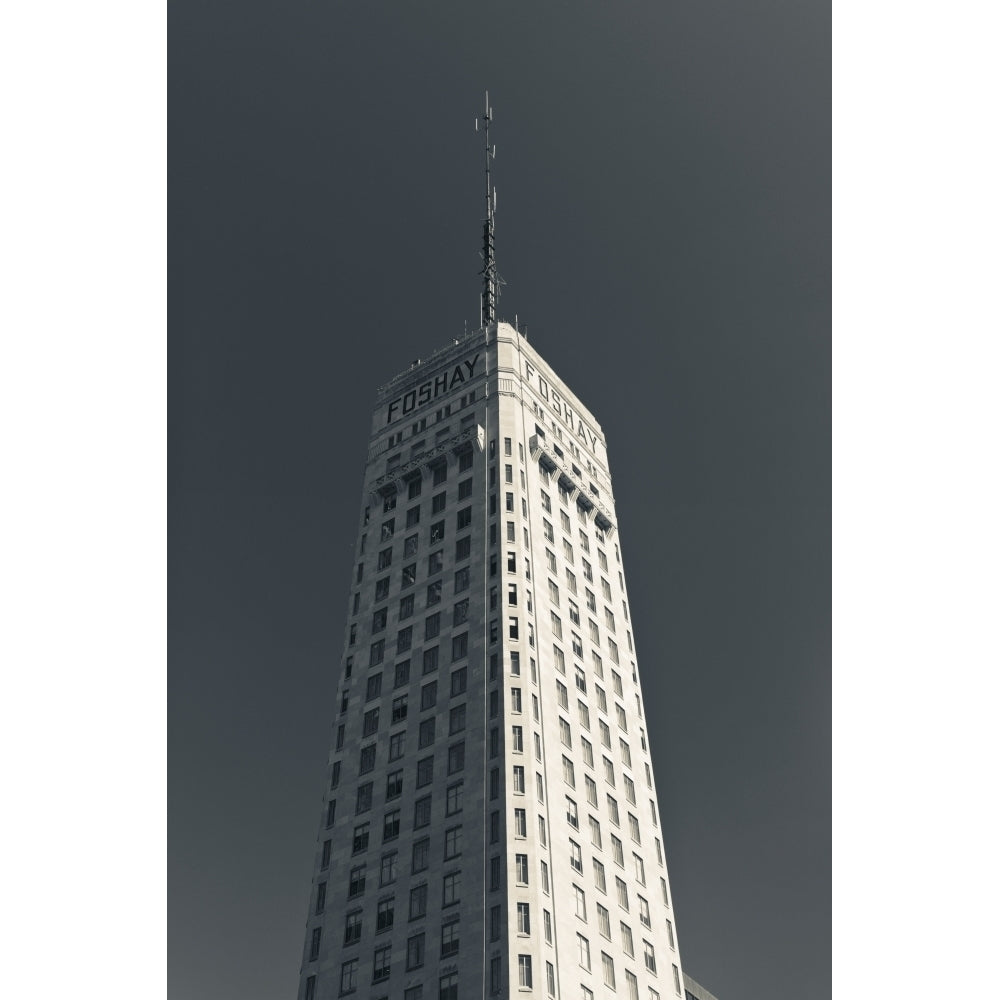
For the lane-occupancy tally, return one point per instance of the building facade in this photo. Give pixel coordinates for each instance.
(695, 991)
(490, 827)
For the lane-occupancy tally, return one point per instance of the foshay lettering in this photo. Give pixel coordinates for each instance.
(431, 389)
(561, 408)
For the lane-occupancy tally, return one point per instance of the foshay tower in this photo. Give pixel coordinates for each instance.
(490, 826)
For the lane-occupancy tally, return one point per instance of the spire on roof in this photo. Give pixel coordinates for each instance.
(491, 280)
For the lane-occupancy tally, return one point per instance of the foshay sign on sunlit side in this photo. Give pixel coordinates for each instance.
(441, 383)
(560, 407)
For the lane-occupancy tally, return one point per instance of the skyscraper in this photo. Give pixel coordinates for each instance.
(490, 826)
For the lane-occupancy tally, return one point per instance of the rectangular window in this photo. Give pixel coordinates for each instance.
(449, 938)
(622, 721)
(456, 752)
(356, 882)
(633, 985)
(599, 879)
(608, 967)
(361, 833)
(622, 890)
(432, 626)
(565, 733)
(364, 802)
(415, 952)
(613, 810)
(459, 678)
(349, 976)
(422, 812)
(560, 659)
(402, 677)
(563, 695)
(520, 823)
(456, 720)
(649, 955)
(452, 888)
(430, 660)
(452, 842)
(602, 698)
(314, 943)
(576, 856)
(418, 902)
(524, 971)
(616, 851)
(387, 870)
(425, 771)
(390, 826)
(521, 868)
(595, 833)
(627, 945)
(385, 914)
(604, 921)
(569, 775)
(421, 854)
(523, 918)
(428, 696)
(633, 826)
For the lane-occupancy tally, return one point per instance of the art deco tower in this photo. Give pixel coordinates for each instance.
(490, 827)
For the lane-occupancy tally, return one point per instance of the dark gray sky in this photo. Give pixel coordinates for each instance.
(663, 171)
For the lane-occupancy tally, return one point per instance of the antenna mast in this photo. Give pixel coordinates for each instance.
(491, 281)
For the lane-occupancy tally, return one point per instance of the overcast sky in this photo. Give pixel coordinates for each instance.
(663, 227)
